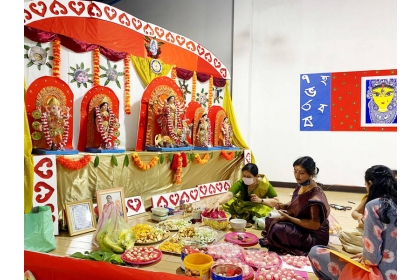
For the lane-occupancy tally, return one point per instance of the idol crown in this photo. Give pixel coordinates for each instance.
(383, 82)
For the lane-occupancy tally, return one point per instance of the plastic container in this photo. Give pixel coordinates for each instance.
(192, 249)
(218, 224)
(226, 272)
(238, 224)
(160, 211)
(198, 266)
(158, 218)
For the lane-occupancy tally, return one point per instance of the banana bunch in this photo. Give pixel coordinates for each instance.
(125, 241)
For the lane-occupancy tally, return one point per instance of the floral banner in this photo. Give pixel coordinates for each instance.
(214, 188)
(174, 199)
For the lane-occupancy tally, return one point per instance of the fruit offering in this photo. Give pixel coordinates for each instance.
(261, 258)
(296, 261)
(275, 273)
(141, 255)
(247, 271)
(217, 219)
(215, 214)
(145, 233)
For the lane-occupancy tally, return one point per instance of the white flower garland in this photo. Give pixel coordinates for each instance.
(46, 131)
(105, 139)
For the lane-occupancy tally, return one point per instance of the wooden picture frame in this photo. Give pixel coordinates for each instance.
(117, 197)
(80, 217)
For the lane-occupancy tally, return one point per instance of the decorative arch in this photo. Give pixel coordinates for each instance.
(100, 20)
(216, 116)
(91, 99)
(151, 103)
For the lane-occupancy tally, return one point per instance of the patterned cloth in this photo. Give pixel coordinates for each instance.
(380, 246)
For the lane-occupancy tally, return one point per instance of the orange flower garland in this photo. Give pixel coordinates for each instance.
(178, 173)
(226, 155)
(96, 67)
(74, 164)
(194, 86)
(127, 103)
(142, 165)
(210, 91)
(56, 59)
(204, 160)
(173, 73)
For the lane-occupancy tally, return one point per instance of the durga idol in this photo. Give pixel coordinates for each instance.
(105, 121)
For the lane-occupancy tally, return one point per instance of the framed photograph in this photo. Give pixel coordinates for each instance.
(80, 217)
(115, 196)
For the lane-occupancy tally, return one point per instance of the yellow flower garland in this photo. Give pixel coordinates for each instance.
(127, 103)
(178, 173)
(210, 91)
(173, 73)
(204, 160)
(142, 165)
(96, 67)
(194, 86)
(56, 59)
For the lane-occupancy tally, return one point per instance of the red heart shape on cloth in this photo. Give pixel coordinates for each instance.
(78, 11)
(110, 13)
(170, 37)
(194, 194)
(54, 8)
(47, 196)
(44, 174)
(137, 23)
(219, 186)
(174, 202)
(91, 12)
(162, 202)
(212, 190)
(148, 30)
(203, 187)
(124, 19)
(180, 40)
(34, 8)
(226, 186)
(185, 197)
(130, 204)
(159, 31)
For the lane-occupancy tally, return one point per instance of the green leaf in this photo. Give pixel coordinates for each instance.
(38, 44)
(25, 56)
(49, 65)
(171, 156)
(115, 66)
(50, 57)
(47, 49)
(106, 82)
(85, 85)
(108, 63)
(102, 67)
(96, 162)
(90, 75)
(114, 160)
(126, 160)
(39, 67)
(120, 74)
(82, 65)
(87, 70)
(161, 158)
(118, 83)
(30, 63)
(78, 255)
(77, 66)
(95, 256)
(27, 47)
(90, 81)
(160, 43)
(78, 85)
(72, 68)
(211, 155)
(72, 81)
(191, 155)
(102, 76)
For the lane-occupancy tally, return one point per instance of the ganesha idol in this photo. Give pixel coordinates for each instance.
(49, 105)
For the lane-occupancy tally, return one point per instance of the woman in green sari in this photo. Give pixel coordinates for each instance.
(253, 195)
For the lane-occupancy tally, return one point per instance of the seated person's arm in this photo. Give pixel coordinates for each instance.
(358, 212)
(271, 199)
(313, 223)
(221, 200)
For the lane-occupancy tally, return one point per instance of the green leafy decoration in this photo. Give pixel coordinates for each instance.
(161, 158)
(72, 68)
(120, 73)
(30, 63)
(106, 82)
(82, 65)
(114, 160)
(126, 160)
(78, 85)
(38, 44)
(102, 76)
(50, 57)
(109, 63)
(118, 83)
(171, 156)
(211, 155)
(48, 64)
(47, 48)
(85, 85)
(39, 67)
(26, 56)
(96, 162)
(87, 70)
(26, 47)
(102, 67)
(99, 256)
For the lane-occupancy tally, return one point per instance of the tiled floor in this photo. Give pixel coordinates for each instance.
(170, 263)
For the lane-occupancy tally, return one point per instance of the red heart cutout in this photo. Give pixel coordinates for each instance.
(28, 15)
(208, 57)
(52, 210)
(223, 72)
(180, 40)
(174, 202)
(53, 8)
(130, 204)
(137, 23)
(45, 174)
(219, 186)
(226, 186)
(170, 37)
(162, 200)
(203, 187)
(212, 190)
(185, 197)
(200, 50)
(148, 30)
(160, 32)
(124, 19)
(32, 6)
(110, 13)
(191, 46)
(97, 13)
(47, 196)
(78, 10)
(194, 194)
(216, 63)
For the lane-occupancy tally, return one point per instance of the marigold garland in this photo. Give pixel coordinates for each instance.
(204, 160)
(173, 73)
(56, 59)
(175, 161)
(194, 86)
(178, 173)
(127, 102)
(210, 91)
(142, 165)
(96, 67)
(74, 164)
(226, 155)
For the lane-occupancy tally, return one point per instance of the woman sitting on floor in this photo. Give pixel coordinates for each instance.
(248, 197)
(379, 236)
(303, 222)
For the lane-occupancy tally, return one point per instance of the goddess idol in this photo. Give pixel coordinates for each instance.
(383, 100)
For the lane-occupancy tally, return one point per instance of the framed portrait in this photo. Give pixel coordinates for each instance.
(80, 217)
(106, 197)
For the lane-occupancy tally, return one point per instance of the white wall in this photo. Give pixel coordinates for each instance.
(276, 41)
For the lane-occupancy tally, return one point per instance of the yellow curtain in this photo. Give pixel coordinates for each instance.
(28, 163)
(237, 139)
(142, 66)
